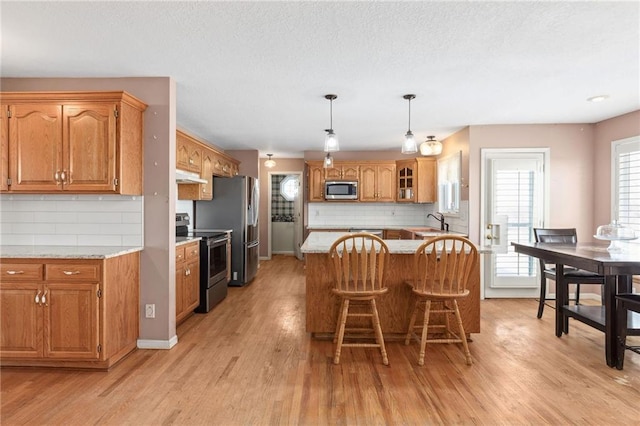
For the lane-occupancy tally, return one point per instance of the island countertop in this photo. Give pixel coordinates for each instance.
(65, 252)
(320, 242)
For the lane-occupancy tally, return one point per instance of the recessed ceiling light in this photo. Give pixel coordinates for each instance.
(598, 98)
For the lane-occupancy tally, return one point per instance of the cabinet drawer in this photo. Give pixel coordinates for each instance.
(192, 251)
(179, 254)
(21, 271)
(73, 272)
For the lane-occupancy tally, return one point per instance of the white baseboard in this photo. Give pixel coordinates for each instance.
(157, 344)
(283, 252)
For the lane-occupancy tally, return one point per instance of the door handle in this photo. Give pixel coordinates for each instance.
(37, 299)
(44, 298)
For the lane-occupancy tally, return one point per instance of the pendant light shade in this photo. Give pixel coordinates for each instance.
(431, 146)
(270, 163)
(331, 140)
(409, 145)
(328, 161)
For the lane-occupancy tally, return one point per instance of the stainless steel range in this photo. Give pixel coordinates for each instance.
(214, 251)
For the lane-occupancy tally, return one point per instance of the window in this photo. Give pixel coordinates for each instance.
(625, 170)
(449, 183)
(289, 188)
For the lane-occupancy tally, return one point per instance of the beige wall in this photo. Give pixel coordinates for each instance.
(607, 131)
(571, 170)
(248, 161)
(283, 165)
(158, 257)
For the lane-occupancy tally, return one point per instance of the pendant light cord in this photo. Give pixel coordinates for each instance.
(331, 114)
(409, 129)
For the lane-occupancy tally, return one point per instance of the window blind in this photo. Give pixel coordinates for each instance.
(627, 183)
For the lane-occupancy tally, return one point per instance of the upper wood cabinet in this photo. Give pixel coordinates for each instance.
(81, 142)
(315, 181)
(197, 156)
(4, 147)
(417, 182)
(378, 182)
(343, 171)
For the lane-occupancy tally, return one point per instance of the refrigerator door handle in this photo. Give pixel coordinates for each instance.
(253, 244)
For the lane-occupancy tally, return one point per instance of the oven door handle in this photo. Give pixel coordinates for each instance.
(222, 240)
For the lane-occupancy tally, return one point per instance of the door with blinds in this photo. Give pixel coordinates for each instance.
(626, 183)
(513, 199)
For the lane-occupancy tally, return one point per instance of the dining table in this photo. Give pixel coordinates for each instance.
(617, 267)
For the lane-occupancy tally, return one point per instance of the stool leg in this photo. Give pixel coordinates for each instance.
(425, 328)
(338, 323)
(463, 336)
(343, 321)
(577, 294)
(412, 322)
(378, 330)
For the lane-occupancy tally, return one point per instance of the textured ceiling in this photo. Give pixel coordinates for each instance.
(253, 75)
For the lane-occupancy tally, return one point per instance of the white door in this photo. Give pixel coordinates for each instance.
(512, 204)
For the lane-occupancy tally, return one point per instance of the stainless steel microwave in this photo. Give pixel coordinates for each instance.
(340, 190)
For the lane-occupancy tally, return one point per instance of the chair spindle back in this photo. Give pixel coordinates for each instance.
(359, 262)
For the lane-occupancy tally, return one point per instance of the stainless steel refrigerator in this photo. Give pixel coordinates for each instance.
(234, 206)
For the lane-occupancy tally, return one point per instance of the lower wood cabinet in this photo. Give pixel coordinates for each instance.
(69, 312)
(187, 279)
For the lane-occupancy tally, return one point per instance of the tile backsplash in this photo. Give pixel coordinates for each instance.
(382, 214)
(74, 220)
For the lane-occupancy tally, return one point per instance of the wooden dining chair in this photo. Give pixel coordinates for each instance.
(627, 303)
(359, 264)
(442, 268)
(571, 275)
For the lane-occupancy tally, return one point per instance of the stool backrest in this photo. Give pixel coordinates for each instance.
(443, 265)
(359, 262)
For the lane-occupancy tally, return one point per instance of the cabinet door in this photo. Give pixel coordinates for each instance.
(206, 190)
(406, 172)
(195, 158)
(21, 325)
(180, 279)
(333, 173)
(71, 320)
(316, 183)
(4, 147)
(386, 183)
(89, 147)
(350, 172)
(182, 152)
(35, 147)
(191, 289)
(368, 183)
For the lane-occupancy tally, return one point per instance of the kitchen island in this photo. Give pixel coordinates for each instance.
(394, 307)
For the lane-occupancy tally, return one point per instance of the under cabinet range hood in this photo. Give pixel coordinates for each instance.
(188, 177)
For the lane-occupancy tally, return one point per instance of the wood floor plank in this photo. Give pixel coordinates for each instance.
(250, 362)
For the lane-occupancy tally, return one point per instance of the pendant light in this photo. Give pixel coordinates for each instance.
(409, 145)
(269, 164)
(331, 140)
(431, 146)
(328, 161)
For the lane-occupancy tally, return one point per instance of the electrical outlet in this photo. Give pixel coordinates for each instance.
(150, 311)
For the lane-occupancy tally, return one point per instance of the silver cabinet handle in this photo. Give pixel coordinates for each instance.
(44, 298)
(15, 272)
(71, 272)
(187, 271)
(37, 299)
(56, 176)
(63, 176)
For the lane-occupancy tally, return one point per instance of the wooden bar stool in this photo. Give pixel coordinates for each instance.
(442, 267)
(359, 264)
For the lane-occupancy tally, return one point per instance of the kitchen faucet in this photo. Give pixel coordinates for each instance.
(443, 226)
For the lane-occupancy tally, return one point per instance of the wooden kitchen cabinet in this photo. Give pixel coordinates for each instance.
(417, 180)
(79, 142)
(187, 279)
(315, 181)
(4, 147)
(188, 153)
(343, 171)
(378, 182)
(211, 162)
(69, 312)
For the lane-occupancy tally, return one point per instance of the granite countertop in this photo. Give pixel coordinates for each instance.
(185, 240)
(65, 252)
(320, 242)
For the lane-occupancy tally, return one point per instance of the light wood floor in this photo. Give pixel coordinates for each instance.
(249, 361)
